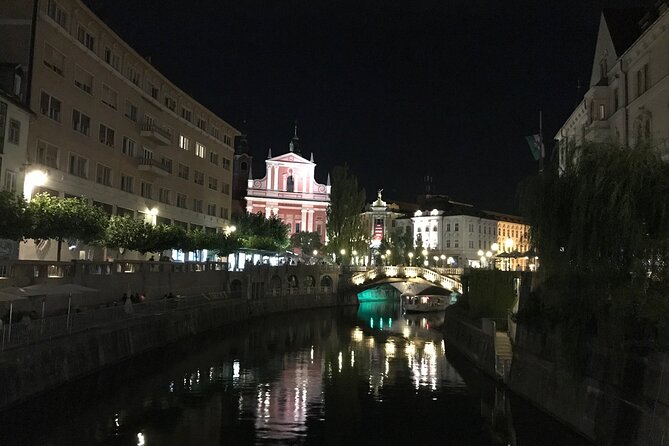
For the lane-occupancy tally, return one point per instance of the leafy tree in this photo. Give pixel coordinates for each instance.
(65, 218)
(307, 242)
(347, 200)
(14, 218)
(126, 232)
(254, 231)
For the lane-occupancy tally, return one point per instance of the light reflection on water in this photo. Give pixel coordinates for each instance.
(322, 377)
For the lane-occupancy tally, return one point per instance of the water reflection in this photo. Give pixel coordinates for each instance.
(322, 377)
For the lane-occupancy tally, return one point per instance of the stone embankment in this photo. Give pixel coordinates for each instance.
(29, 370)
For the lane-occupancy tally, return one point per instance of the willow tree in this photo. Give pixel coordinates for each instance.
(345, 227)
(601, 229)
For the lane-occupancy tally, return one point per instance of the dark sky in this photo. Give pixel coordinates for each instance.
(395, 89)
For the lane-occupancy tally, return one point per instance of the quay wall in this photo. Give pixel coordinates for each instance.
(473, 342)
(620, 399)
(30, 370)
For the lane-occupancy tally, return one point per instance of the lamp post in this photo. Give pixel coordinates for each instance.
(508, 244)
(383, 259)
(436, 260)
(488, 256)
(481, 256)
(494, 248)
(410, 257)
(443, 257)
(34, 178)
(450, 261)
(343, 253)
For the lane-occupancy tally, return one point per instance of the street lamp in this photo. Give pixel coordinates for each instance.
(450, 261)
(508, 244)
(436, 259)
(494, 247)
(34, 178)
(315, 252)
(383, 259)
(443, 257)
(410, 257)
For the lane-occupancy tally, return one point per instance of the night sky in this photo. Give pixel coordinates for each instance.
(398, 90)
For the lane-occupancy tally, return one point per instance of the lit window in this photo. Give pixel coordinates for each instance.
(184, 142)
(199, 150)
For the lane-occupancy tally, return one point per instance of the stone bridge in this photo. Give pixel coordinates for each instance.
(448, 278)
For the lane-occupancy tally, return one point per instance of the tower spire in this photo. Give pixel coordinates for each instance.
(294, 145)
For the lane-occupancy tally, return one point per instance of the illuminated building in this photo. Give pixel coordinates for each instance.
(14, 121)
(380, 217)
(460, 231)
(289, 191)
(110, 127)
(625, 103)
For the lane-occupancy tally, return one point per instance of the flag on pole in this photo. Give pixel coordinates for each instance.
(536, 146)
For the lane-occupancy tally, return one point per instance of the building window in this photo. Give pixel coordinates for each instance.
(131, 111)
(10, 181)
(86, 38)
(112, 58)
(226, 164)
(81, 122)
(602, 112)
(109, 96)
(216, 132)
(83, 79)
(198, 177)
(227, 140)
(146, 190)
(78, 166)
(448, 227)
(127, 183)
(224, 213)
(103, 175)
(106, 135)
(47, 154)
(642, 80)
(183, 171)
(199, 150)
(197, 205)
(54, 59)
(456, 243)
(186, 114)
(181, 200)
(14, 133)
(164, 196)
(471, 244)
(213, 158)
(448, 243)
(202, 124)
(50, 106)
(57, 13)
(147, 153)
(170, 103)
(129, 146)
(226, 188)
(213, 183)
(456, 227)
(211, 209)
(133, 75)
(616, 102)
(290, 184)
(471, 227)
(184, 142)
(152, 90)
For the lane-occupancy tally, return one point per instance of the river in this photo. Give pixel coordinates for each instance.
(343, 376)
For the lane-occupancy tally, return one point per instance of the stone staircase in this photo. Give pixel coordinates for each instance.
(503, 355)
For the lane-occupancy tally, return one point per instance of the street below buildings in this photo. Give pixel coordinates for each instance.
(352, 375)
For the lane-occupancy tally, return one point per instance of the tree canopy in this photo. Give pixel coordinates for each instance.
(347, 201)
(257, 232)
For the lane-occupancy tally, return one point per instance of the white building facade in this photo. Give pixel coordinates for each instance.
(626, 102)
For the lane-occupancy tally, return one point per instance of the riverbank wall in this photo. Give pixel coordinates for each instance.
(619, 400)
(35, 368)
(474, 343)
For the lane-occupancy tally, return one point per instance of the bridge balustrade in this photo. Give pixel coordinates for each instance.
(409, 272)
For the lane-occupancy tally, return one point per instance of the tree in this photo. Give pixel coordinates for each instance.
(126, 232)
(307, 242)
(14, 218)
(65, 219)
(255, 231)
(347, 200)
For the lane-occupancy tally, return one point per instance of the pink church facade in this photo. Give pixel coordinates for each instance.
(290, 192)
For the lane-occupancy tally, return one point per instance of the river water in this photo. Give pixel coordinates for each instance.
(345, 376)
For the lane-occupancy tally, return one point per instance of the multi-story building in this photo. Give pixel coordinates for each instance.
(240, 174)
(380, 220)
(289, 191)
(626, 103)
(465, 234)
(14, 122)
(109, 126)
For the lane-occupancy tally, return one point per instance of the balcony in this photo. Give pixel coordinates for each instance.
(156, 167)
(156, 134)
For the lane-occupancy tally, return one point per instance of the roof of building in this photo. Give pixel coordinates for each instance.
(624, 26)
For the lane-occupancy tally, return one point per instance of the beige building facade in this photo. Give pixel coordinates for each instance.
(626, 102)
(109, 126)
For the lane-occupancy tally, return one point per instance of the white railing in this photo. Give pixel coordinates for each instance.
(442, 280)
